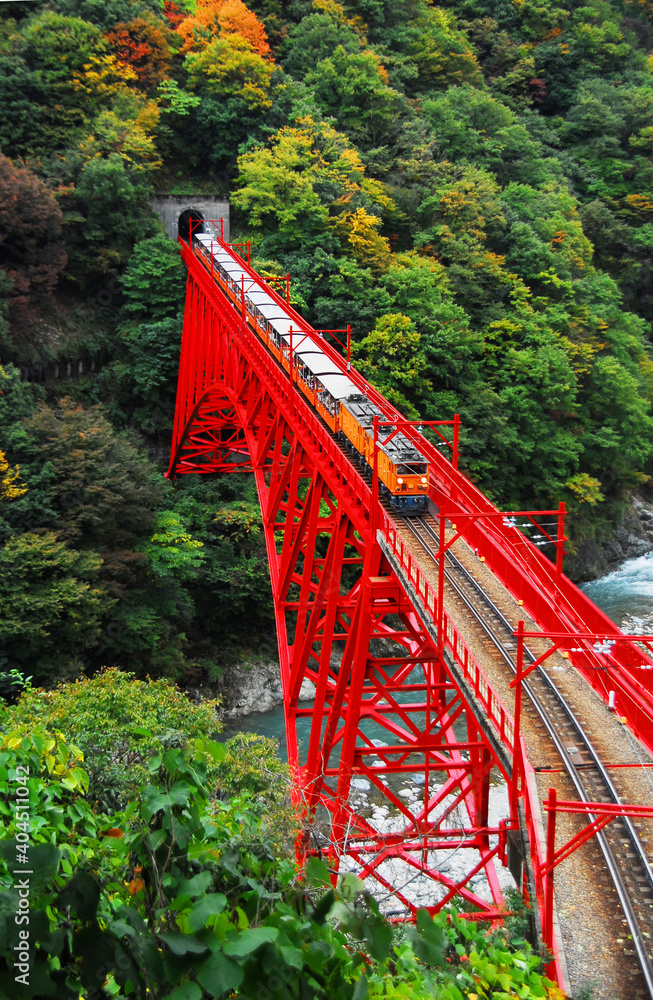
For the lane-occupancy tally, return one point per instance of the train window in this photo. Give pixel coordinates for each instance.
(414, 469)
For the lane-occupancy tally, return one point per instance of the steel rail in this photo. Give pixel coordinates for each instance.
(639, 941)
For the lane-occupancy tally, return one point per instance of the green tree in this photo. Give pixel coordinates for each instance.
(352, 87)
(119, 723)
(79, 74)
(87, 482)
(392, 359)
(108, 212)
(146, 370)
(316, 37)
(172, 551)
(441, 52)
(470, 124)
(51, 604)
(154, 279)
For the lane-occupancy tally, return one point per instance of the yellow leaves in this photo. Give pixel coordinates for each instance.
(581, 355)
(58, 759)
(127, 129)
(369, 248)
(10, 485)
(229, 66)
(103, 76)
(585, 489)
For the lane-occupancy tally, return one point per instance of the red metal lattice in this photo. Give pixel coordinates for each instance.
(396, 690)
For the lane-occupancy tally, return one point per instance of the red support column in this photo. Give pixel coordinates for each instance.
(441, 556)
(560, 545)
(517, 762)
(547, 929)
(374, 513)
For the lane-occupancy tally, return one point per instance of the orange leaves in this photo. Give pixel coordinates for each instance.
(173, 14)
(222, 17)
(141, 44)
(237, 19)
(639, 205)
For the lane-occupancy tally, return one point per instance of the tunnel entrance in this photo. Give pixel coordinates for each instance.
(184, 223)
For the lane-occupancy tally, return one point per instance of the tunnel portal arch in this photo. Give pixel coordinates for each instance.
(175, 210)
(190, 217)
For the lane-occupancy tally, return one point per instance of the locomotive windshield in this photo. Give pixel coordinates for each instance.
(414, 469)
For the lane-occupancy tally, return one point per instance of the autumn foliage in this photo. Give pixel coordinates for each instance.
(222, 17)
(142, 45)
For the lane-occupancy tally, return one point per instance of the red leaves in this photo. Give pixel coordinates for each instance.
(31, 252)
(142, 45)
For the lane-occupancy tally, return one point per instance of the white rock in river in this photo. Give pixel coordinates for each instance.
(361, 784)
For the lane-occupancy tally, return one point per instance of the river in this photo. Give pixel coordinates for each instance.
(626, 595)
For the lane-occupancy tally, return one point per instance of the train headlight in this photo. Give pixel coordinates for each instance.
(423, 480)
(400, 481)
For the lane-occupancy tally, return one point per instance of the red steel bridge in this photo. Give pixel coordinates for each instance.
(397, 690)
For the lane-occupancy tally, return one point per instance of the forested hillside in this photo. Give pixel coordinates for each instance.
(467, 184)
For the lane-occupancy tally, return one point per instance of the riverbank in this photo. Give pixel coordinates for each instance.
(630, 539)
(254, 687)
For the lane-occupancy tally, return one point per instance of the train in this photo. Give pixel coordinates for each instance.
(349, 414)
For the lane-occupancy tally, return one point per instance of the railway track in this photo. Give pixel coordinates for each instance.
(623, 852)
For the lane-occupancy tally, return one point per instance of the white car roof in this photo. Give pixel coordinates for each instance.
(319, 364)
(271, 310)
(258, 295)
(283, 325)
(339, 386)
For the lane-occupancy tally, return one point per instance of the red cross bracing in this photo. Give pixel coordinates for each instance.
(397, 692)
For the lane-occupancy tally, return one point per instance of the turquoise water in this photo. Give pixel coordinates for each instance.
(269, 724)
(626, 595)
